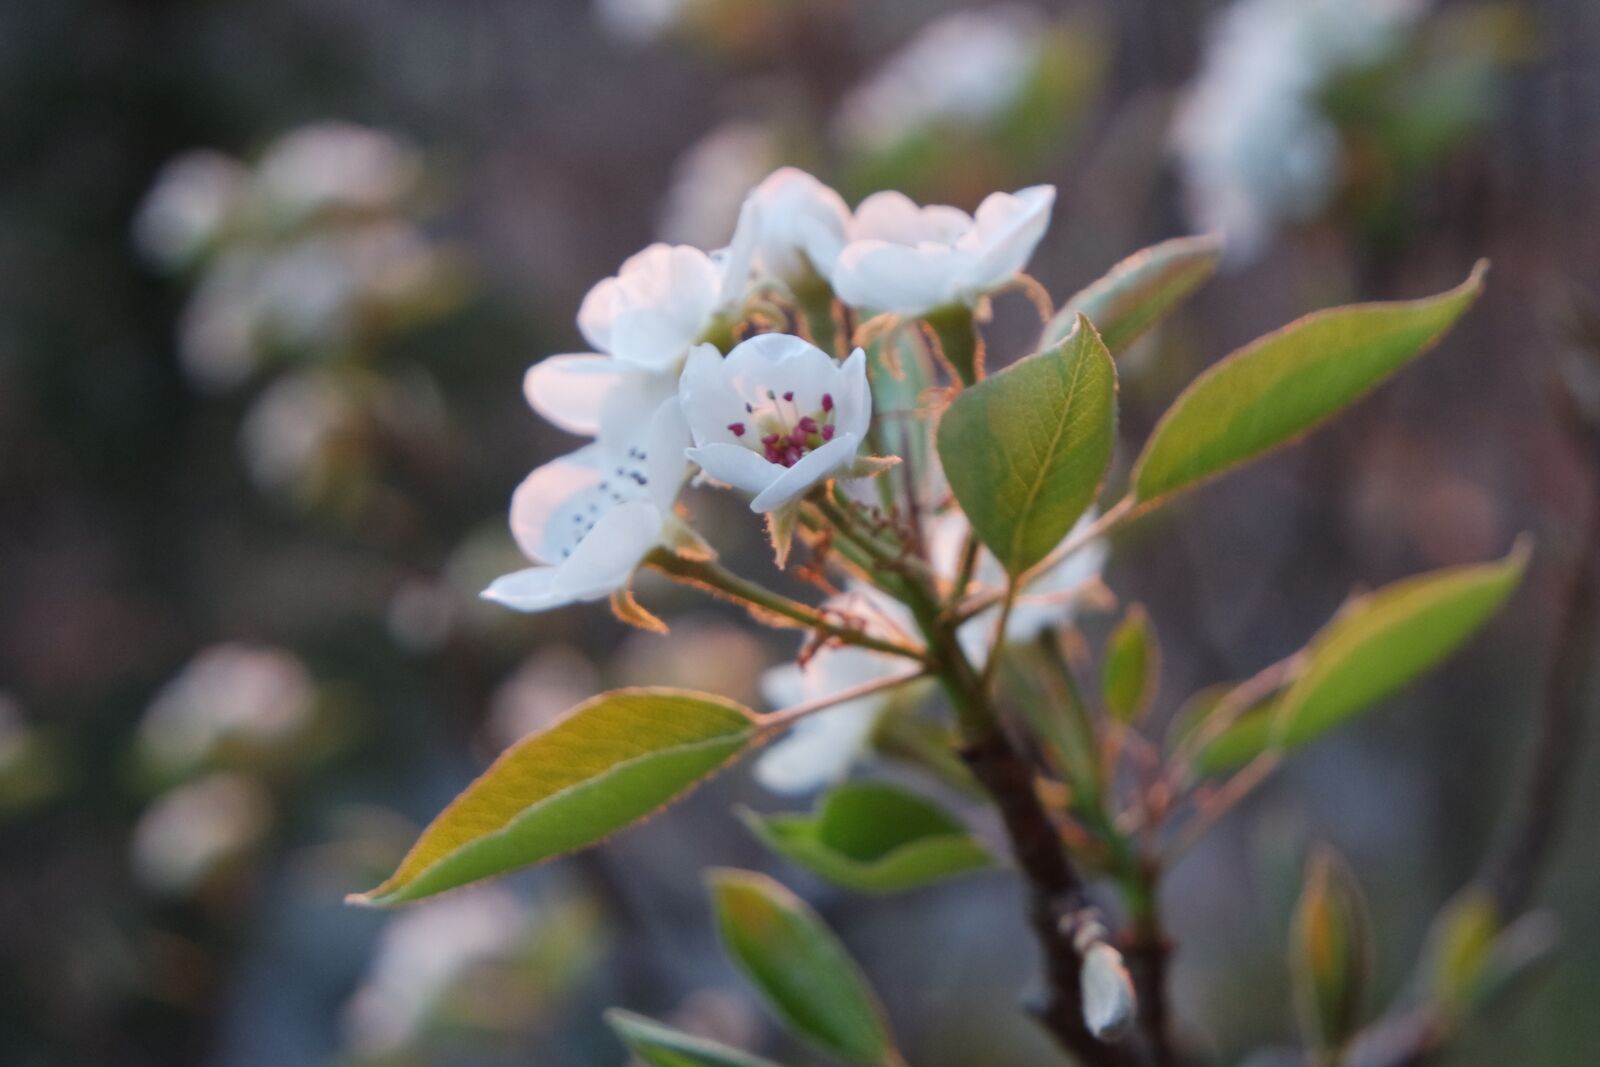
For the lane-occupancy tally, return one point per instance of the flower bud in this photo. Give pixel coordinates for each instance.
(1109, 1003)
(1330, 952)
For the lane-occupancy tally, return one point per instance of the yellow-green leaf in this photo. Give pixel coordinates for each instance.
(799, 967)
(1025, 450)
(1383, 640)
(873, 837)
(611, 761)
(660, 1045)
(1136, 293)
(1371, 648)
(1132, 669)
(1281, 386)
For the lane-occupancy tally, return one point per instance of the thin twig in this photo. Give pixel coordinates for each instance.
(786, 717)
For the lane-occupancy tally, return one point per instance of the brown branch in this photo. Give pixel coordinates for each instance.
(1056, 896)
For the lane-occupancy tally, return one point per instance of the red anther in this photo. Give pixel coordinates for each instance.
(808, 424)
(736, 428)
(770, 440)
(797, 437)
(788, 396)
(827, 401)
(827, 432)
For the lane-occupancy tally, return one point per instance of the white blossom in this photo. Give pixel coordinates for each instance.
(193, 829)
(775, 417)
(1254, 146)
(257, 695)
(820, 750)
(588, 518)
(187, 207)
(711, 180)
(800, 226)
(910, 260)
(337, 165)
(664, 300)
(964, 68)
(422, 952)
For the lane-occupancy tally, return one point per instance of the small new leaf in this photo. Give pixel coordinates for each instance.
(1026, 449)
(660, 1045)
(1132, 669)
(798, 966)
(1287, 383)
(873, 837)
(1138, 292)
(1330, 952)
(612, 761)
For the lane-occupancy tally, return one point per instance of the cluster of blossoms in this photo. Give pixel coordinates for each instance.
(1252, 139)
(673, 392)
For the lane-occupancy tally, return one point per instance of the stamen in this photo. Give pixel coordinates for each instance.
(736, 428)
(827, 432)
(827, 401)
(808, 424)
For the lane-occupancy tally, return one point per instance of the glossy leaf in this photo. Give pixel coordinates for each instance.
(1132, 668)
(1330, 952)
(1138, 292)
(873, 837)
(660, 1045)
(1371, 648)
(801, 970)
(1025, 450)
(1289, 382)
(1383, 640)
(611, 761)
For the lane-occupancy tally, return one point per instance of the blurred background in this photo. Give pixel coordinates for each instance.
(270, 275)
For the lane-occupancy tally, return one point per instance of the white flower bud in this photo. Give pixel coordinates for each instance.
(1109, 1004)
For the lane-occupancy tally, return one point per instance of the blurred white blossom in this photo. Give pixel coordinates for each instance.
(1253, 145)
(639, 21)
(967, 68)
(230, 693)
(423, 951)
(289, 427)
(337, 165)
(187, 207)
(191, 830)
(711, 180)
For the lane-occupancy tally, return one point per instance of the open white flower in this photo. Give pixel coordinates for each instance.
(800, 226)
(910, 260)
(666, 299)
(776, 417)
(820, 750)
(588, 518)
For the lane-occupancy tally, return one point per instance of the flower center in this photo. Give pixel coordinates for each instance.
(777, 430)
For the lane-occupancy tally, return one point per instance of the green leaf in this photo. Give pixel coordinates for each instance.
(1330, 952)
(1132, 668)
(873, 837)
(1025, 450)
(1138, 292)
(611, 761)
(661, 1046)
(1281, 386)
(799, 967)
(1383, 640)
(1371, 648)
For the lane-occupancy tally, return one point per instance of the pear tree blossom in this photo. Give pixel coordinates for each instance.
(586, 520)
(776, 417)
(911, 260)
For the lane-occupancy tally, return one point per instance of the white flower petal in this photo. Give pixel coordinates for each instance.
(813, 467)
(569, 390)
(898, 278)
(1008, 227)
(735, 465)
(818, 751)
(604, 560)
(541, 496)
(598, 312)
(531, 589)
(853, 401)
